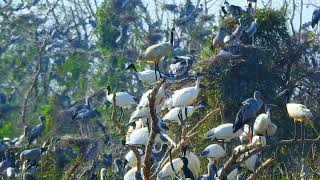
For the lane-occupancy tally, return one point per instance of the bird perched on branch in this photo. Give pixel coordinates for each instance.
(298, 112)
(217, 41)
(155, 53)
(248, 111)
(252, 30)
(233, 10)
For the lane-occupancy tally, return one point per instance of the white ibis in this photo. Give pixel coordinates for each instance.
(298, 112)
(259, 140)
(262, 123)
(139, 138)
(123, 99)
(213, 151)
(183, 97)
(103, 174)
(144, 101)
(223, 132)
(175, 115)
(155, 53)
(147, 76)
(132, 175)
(131, 159)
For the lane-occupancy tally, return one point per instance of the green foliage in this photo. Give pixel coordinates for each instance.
(6, 130)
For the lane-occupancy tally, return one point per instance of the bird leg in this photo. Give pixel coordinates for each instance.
(252, 38)
(155, 70)
(302, 131)
(186, 114)
(295, 131)
(180, 117)
(159, 70)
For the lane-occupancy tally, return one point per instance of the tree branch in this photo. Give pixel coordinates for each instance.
(154, 129)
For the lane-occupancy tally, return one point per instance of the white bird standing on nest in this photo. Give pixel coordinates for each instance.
(298, 112)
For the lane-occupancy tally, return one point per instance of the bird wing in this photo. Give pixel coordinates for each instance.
(157, 51)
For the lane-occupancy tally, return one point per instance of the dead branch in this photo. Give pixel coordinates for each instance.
(154, 129)
(34, 80)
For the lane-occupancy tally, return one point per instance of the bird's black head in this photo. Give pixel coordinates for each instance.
(41, 118)
(131, 66)
(43, 149)
(97, 112)
(172, 36)
(108, 90)
(226, 3)
(250, 5)
(203, 104)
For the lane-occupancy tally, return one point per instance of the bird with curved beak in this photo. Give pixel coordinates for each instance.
(147, 76)
(156, 52)
(298, 112)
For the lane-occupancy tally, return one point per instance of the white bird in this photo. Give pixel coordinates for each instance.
(189, 163)
(298, 112)
(123, 99)
(144, 101)
(147, 76)
(259, 140)
(181, 66)
(252, 163)
(213, 151)
(131, 159)
(223, 132)
(143, 112)
(103, 174)
(183, 97)
(131, 174)
(272, 128)
(261, 123)
(177, 114)
(10, 172)
(245, 136)
(232, 175)
(139, 137)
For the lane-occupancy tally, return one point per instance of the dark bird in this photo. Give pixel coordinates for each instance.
(223, 9)
(33, 156)
(315, 18)
(233, 10)
(36, 131)
(248, 111)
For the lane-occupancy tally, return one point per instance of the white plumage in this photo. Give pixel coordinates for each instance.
(261, 123)
(252, 162)
(172, 115)
(167, 170)
(149, 76)
(183, 97)
(144, 101)
(143, 112)
(214, 151)
(132, 159)
(223, 132)
(232, 175)
(272, 128)
(123, 99)
(130, 175)
(193, 165)
(139, 137)
(245, 134)
(299, 112)
(259, 140)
